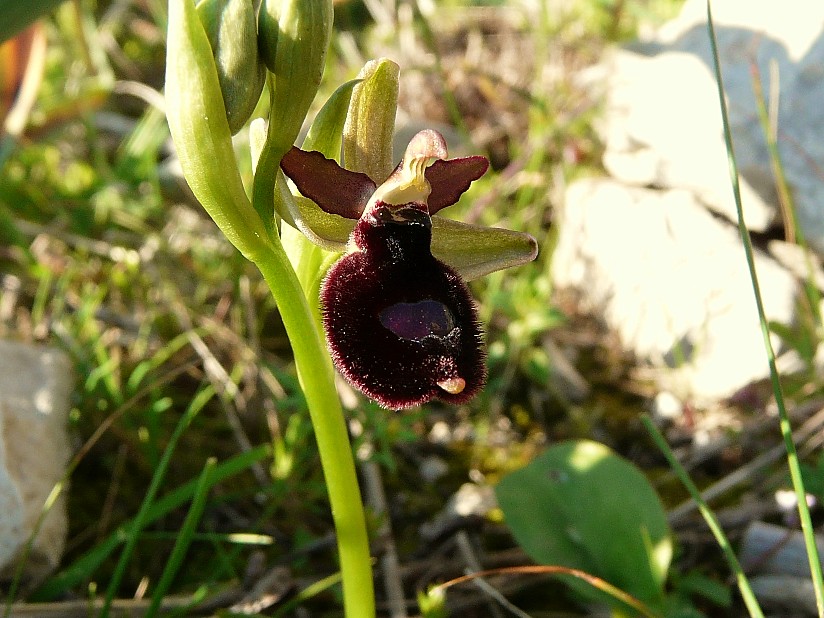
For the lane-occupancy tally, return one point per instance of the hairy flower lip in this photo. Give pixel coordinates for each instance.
(401, 324)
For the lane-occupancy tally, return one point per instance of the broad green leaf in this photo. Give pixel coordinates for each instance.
(582, 506)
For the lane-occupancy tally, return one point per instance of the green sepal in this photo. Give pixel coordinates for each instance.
(370, 124)
(200, 130)
(231, 27)
(476, 251)
(330, 232)
(473, 250)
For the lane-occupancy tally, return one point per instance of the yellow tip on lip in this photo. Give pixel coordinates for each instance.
(453, 386)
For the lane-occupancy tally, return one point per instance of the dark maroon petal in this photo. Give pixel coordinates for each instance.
(451, 177)
(336, 190)
(401, 325)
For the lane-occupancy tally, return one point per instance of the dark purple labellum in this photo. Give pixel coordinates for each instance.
(401, 325)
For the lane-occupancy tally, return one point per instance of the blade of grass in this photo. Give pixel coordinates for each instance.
(784, 421)
(184, 538)
(167, 377)
(307, 593)
(84, 566)
(768, 119)
(141, 519)
(741, 579)
(768, 124)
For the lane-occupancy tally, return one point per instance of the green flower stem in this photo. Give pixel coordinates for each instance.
(200, 129)
(317, 379)
(316, 376)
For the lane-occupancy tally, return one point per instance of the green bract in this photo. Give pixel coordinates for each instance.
(200, 130)
(367, 134)
(231, 28)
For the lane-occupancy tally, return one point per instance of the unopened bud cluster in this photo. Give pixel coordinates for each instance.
(287, 37)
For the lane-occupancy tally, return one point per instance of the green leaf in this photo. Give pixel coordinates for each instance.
(17, 14)
(582, 506)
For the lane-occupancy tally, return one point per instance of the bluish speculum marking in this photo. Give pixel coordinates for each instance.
(415, 321)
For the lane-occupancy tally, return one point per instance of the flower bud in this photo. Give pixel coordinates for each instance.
(293, 38)
(231, 28)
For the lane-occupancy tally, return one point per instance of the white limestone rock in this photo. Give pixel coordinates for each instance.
(35, 386)
(663, 125)
(671, 280)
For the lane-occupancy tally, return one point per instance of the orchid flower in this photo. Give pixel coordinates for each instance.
(401, 323)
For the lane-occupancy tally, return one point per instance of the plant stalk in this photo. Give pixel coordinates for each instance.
(715, 527)
(317, 379)
(784, 420)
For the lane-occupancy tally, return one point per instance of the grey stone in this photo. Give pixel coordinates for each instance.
(663, 126)
(671, 280)
(471, 500)
(35, 387)
(654, 249)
